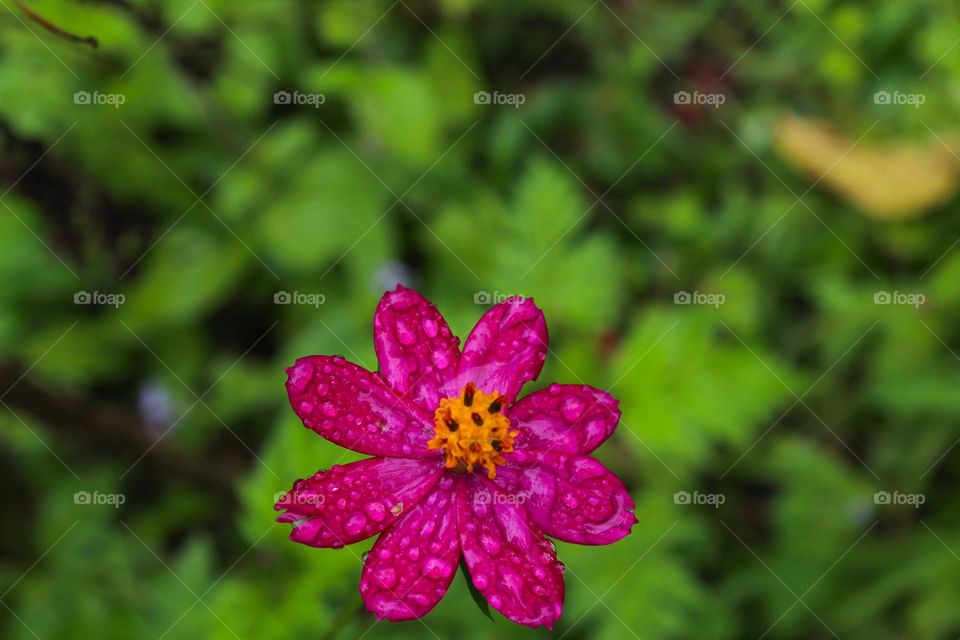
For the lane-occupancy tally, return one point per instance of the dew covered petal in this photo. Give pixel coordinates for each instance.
(355, 409)
(416, 350)
(510, 562)
(570, 498)
(412, 564)
(348, 503)
(506, 348)
(567, 418)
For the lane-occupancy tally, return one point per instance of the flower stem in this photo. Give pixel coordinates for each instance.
(350, 609)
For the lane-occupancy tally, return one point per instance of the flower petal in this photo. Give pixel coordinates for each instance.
(355, 408)
(506, 348)
(412, 564)
(349, 503)
(416, 350)
(510, 562)
(567, 418)
(571, 498)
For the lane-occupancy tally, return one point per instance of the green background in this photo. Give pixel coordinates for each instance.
(199, 198)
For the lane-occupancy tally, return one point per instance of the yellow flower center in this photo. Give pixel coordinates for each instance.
(472, 429)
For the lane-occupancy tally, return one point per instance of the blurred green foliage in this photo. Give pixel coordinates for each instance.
(199, 198)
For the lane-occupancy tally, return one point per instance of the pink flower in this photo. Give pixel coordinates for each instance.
(460, 466)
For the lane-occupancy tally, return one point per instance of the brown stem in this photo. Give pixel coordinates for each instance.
(54, 29)
(105, 429)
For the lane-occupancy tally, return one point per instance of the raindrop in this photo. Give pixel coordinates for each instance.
(355, 524)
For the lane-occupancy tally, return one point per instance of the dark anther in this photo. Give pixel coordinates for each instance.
(477, 420)
(496, 445)
(495, 406)
(468, 395)
(452, 425)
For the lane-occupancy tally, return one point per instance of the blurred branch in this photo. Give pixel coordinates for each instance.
(350, 609)
(54, 29)
(109, 430)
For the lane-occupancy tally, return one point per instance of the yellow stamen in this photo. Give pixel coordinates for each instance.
(472, 429)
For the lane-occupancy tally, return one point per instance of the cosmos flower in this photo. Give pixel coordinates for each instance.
(461, 467)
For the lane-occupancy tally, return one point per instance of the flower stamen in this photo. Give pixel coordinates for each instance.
(472, 430)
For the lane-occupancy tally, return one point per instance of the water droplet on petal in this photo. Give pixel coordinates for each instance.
(299, 376)
(440, 359)
(375, 511)
(355, 524)
(489, 543)
(430, 327)
(480, 581)
(571, 408)
(329, 409)
(405, 334)
(436, 568)
(386, 576)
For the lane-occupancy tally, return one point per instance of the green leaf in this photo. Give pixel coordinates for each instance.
(478, 598)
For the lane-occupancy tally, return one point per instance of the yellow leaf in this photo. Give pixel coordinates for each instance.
(893, 181)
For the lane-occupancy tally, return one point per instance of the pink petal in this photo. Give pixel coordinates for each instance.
(571, 498)
(510, 562)
(506, 348)
(416, 350)
(566, 418)
(411, 565)
(354, 408)
(349, 503)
